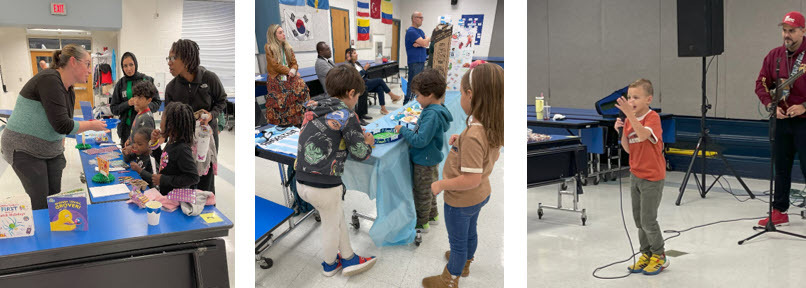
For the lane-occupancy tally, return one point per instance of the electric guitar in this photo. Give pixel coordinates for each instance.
(785, 83)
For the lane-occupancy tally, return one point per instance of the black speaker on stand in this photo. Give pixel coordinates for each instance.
(700, 33)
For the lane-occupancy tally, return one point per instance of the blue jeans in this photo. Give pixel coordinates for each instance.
(378, 86)
(461, 225)
(414, 69)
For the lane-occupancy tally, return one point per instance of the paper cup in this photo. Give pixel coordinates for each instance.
(153, 209)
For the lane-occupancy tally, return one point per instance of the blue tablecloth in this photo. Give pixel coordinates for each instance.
(107, 222)
(89, 171)
(386, 177)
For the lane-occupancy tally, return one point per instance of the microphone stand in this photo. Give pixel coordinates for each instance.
(776, 97)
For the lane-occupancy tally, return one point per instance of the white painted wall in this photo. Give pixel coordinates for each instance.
(433, 9)
(150, 37)
(308, 59)
(15, 62)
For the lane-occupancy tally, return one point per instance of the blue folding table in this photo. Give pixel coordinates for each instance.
(120, 247)
(89, 171)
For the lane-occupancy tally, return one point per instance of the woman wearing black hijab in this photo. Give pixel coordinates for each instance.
(122, 106)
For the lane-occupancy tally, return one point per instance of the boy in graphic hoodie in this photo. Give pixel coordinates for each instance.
(426, 140)
(331, 131)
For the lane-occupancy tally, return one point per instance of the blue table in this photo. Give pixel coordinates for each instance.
(668, 123)
(89, 171)
(386, 177)
(268, 216)
(118, 236)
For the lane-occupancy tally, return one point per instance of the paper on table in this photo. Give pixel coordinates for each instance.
(109, 190)
(113, 169)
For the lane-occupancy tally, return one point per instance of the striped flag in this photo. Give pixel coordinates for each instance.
(386, 12)
(363, 29)
(375, 9)
(363, 9)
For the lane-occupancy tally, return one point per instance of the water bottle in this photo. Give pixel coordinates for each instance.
(539, 107)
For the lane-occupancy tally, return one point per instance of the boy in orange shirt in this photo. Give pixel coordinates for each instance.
(641, 139)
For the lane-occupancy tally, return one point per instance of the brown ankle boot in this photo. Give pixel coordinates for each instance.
(444, 280)
(466, 270)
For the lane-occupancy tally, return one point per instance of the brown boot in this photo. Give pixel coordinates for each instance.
(466, 271)
(443, 280)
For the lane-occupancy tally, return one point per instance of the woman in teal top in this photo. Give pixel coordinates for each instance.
(33, 141)
(122, 104)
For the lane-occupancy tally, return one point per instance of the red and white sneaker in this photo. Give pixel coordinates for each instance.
(778, 219)
(356, 265)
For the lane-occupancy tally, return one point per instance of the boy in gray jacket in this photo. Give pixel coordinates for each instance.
(331, 131)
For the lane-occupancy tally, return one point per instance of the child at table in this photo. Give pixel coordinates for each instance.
(177, 168)
(331, 131)
(426, 140)
(648, 173)
(468, 166)
(141, 96)
(139, 156)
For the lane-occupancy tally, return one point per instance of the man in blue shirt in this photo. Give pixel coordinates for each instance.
(416, 45)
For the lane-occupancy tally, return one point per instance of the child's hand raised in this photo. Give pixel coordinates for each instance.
(127, 150)
(624, 106)
(397, 128)
(453, 139)
(135, 167)
(368, 138)
(155, 178)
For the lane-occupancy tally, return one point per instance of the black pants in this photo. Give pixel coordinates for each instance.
(40, 177)
(207, 182)
(361, 108)
(790, 137)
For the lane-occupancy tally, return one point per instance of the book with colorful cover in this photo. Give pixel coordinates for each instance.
(16, 216)
(68, 211)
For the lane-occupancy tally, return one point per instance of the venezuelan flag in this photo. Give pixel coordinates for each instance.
(386, 11)
(363, 29)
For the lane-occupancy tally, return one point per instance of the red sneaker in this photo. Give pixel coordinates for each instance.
(778, 219)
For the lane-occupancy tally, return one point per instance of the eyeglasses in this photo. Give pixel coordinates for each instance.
(88, 63)
(171, 58)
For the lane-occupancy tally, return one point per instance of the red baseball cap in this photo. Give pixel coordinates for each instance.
(794, 19)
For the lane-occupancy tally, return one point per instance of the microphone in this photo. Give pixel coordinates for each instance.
(622, 117)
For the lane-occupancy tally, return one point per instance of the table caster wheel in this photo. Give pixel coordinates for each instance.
(564, 186)
(584, 181)
(418, 239)
(614, 176)
(595, 180)
(266, 263)
(604, 177)
(355, 222)
(539, 213)
(584, 219)
(317, 217)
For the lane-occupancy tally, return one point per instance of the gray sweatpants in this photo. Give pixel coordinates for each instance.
(646, 197)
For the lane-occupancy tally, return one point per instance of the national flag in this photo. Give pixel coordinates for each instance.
(319, 4)
(375, 9)
(363, 9)
(293, 2)
(363, 29)
(297, 24)
(386, 12)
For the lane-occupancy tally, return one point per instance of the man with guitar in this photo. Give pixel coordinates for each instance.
(782, 63)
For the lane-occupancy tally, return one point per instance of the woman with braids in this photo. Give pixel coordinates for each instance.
(122, 103)
(177, 168)
(33, 141)
(287, 91)
(199, 88)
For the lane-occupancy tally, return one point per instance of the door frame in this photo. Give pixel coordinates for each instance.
(333, 39)
(399, 27)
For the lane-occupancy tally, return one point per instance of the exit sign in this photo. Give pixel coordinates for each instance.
(58, 9)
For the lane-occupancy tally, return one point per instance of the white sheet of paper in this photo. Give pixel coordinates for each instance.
(103, 191)
(111, 169)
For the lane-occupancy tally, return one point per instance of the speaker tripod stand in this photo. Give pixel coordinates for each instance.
(701, 149)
